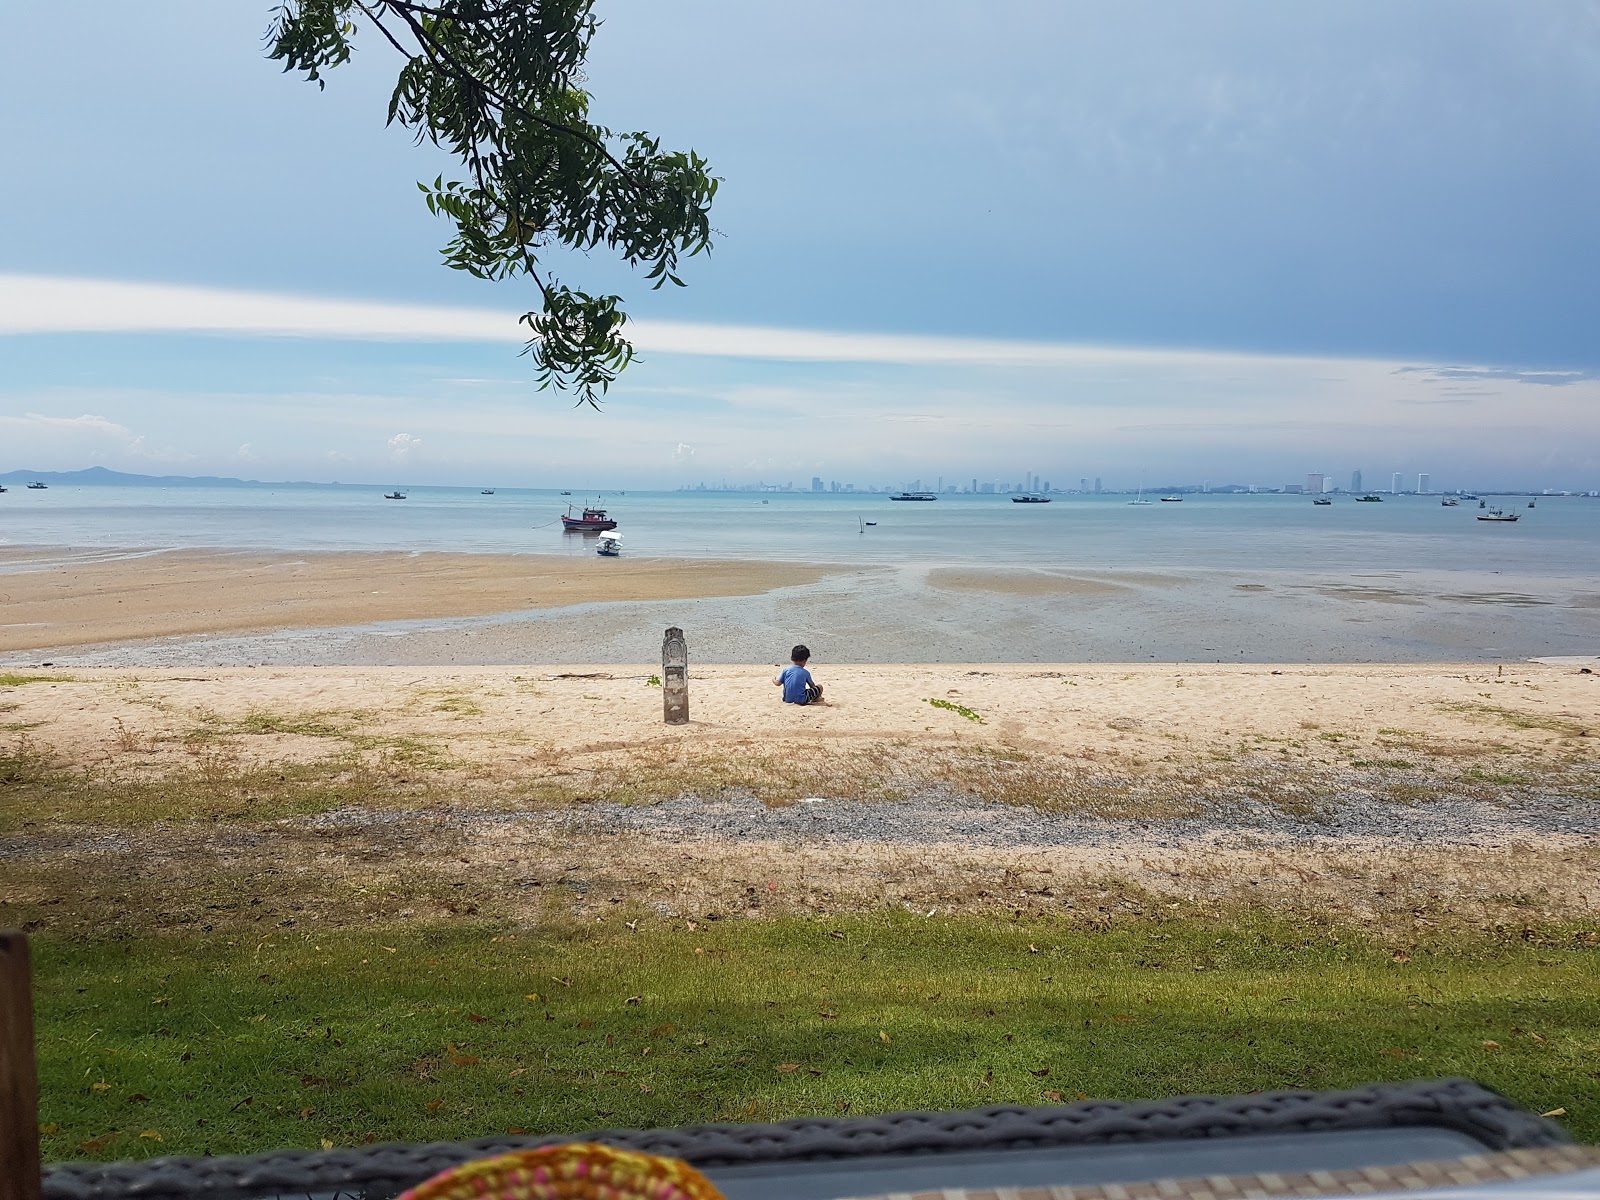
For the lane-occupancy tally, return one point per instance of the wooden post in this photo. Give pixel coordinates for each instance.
(675, 677)
(19, 1081)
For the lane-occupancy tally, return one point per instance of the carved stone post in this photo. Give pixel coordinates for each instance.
(675, 677)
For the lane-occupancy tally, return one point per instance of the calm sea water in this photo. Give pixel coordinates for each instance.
(1561, 537)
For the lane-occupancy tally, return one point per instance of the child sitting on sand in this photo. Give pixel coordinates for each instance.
(796, 682)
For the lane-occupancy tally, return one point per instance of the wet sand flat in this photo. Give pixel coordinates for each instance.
(56, 600)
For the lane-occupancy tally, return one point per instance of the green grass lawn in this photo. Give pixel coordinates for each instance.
(201, 1044)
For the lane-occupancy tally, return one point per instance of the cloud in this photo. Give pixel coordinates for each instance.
(683, 453)
(39, 304)
(1501, 374)
(401, 445)
(85, 424)
(247, 453)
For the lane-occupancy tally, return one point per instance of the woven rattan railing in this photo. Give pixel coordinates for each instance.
(1454, 1104)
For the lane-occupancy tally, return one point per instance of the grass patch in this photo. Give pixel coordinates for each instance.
(10, 679)
(1516, 719)
(961, 710)
(213, 784)
(286, 1039)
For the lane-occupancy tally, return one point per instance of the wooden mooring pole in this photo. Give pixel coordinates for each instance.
(19, 1078)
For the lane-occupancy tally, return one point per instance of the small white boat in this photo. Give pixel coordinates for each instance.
(1495, 514)
(1172, 499)
(609, 544)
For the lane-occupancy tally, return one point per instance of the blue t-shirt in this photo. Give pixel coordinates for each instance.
(795, 681)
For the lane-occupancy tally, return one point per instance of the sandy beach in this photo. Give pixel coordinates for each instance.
(61, 599)
(1389, 795)
(204, 609)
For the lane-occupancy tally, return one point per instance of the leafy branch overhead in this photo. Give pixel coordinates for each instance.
(497, 84)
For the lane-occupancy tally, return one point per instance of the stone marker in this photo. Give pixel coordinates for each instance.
(675, 677)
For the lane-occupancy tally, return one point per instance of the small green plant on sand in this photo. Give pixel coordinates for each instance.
(958, 709)
(653, 681)
(10, 679)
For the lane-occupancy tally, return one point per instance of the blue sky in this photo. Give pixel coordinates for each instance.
(1229, 241)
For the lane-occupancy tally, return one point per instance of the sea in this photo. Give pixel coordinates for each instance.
(1556, 536)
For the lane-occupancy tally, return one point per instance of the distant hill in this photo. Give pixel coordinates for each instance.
(103, 476)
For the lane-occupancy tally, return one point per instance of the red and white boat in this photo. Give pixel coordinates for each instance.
(594, 520)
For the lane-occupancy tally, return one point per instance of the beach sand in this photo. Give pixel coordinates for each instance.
(61, 599)
(205, 609)
(1386, 795)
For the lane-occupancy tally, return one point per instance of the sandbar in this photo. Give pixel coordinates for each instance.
(60, 600)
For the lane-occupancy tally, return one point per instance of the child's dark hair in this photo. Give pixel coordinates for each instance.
(799, 654)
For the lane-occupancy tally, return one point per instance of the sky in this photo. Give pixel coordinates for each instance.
(1234, 242)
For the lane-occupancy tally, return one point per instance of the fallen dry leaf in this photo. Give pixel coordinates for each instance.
(100, 1086)
(787, 1067)
(1040, 1074)
(94, 1145)
(1490, 1044)
(1053, 1096)
(1554, 1112)
(476, 1019)
(1032, 949)
(460, 1059)
(531, 996)
(47, 1128)
(882, 1036)
(153, 1135)
(434, 1105)
(327, 1144)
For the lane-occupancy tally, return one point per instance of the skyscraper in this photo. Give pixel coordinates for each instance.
(1422, 483)
(1314, 483)
(1355, 481)
(1097, 485)
(816, 483)
(1394, 484)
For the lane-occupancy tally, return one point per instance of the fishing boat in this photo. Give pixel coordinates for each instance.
(1031, 498)
(2, 489)
(487, 492)
(1322, 500)
(394, 495)
(1495, 514)
(566, 493)
(594, 520)
(36, 486)
(914, 496)
(1172, 499)
(1468, 496)
(1448, 502)
(609, 545)
(1530, 503)
(1370, 498)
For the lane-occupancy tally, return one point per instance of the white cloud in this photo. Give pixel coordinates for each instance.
(34, 304)
(86, 424)
(401, 445)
